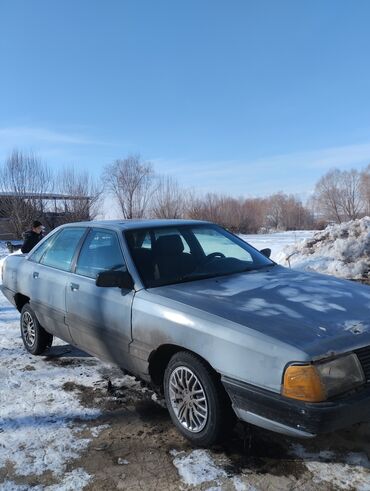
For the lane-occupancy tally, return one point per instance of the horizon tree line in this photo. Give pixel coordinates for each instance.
(139, 192)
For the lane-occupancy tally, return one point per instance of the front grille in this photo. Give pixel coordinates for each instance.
(364, 357)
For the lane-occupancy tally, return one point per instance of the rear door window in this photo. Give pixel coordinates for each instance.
(41, 249)
(101, 252)
(60, 254)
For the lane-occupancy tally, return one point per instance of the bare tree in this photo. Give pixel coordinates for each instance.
(23, 178)
(327, 196)
(131, 182)
(194, 206)
(207, 207)
(278, 212)
(169, 199)
(350, 194)
(82, 195)
(337, 196)
(275, 211)
(224, 210)
(365, 190)
(254, 215)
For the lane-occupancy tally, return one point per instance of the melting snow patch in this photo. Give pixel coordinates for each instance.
(239, 485)
(159, 400)
(354, 473)
(76, 479)
(121, 461)
(72, 481)
(12, 486)
(197, 467)
(98, 429)
(38, 432)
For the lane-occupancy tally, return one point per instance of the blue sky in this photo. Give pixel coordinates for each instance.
(235, 96)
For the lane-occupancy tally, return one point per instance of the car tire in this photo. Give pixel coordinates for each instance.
(196, 400)
(35, 339)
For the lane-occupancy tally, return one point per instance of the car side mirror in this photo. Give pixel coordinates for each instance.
(120, 279)
(266, 252)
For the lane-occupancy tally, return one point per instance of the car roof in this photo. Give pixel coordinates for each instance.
(136, 223)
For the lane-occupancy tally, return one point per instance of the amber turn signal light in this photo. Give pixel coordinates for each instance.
(303, 382)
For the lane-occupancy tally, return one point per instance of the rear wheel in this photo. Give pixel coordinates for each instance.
(196, 400)
(35, 339)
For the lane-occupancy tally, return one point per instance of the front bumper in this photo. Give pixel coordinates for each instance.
(296, 418)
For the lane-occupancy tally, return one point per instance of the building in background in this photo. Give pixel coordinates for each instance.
(17, 211)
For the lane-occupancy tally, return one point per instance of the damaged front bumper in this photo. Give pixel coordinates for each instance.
(274, 412)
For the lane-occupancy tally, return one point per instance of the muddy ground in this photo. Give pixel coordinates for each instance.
(141, 433)
(134, 451)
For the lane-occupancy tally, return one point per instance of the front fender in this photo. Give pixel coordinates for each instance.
(231, 349)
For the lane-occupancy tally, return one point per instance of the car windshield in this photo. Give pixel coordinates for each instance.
(175, 254)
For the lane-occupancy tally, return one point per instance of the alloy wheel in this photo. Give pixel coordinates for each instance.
(188, 399)
(28, 329)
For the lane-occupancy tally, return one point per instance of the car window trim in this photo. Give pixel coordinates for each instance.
(80, 244)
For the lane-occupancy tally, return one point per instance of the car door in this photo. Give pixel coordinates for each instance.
(49, 278)
(100, 318)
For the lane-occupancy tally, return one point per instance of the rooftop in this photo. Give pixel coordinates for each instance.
(51, 196)
(138, 223)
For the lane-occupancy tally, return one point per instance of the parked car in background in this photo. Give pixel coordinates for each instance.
(213, 323)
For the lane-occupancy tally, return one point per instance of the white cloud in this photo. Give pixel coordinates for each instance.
(27, 135)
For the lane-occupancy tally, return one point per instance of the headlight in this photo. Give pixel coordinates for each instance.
(320, 381)
(341, 374)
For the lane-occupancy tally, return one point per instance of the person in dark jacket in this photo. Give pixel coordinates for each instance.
(32, 237)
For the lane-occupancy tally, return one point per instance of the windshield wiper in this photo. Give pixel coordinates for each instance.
(204, 276)
(182, 279)
(201, 276)
(257, 268)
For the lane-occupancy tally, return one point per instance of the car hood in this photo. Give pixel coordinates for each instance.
(318, 314)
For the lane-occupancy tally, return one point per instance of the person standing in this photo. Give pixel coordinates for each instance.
(32, 237)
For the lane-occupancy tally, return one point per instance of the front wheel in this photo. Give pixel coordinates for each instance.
(196, 400)
(35, 339)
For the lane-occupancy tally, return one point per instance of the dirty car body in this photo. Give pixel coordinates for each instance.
(290, 351)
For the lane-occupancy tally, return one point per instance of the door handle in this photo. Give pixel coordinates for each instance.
(35, 275)
(74, 286)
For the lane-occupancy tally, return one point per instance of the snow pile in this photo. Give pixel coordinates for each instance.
(340, 250)
(277, 241)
